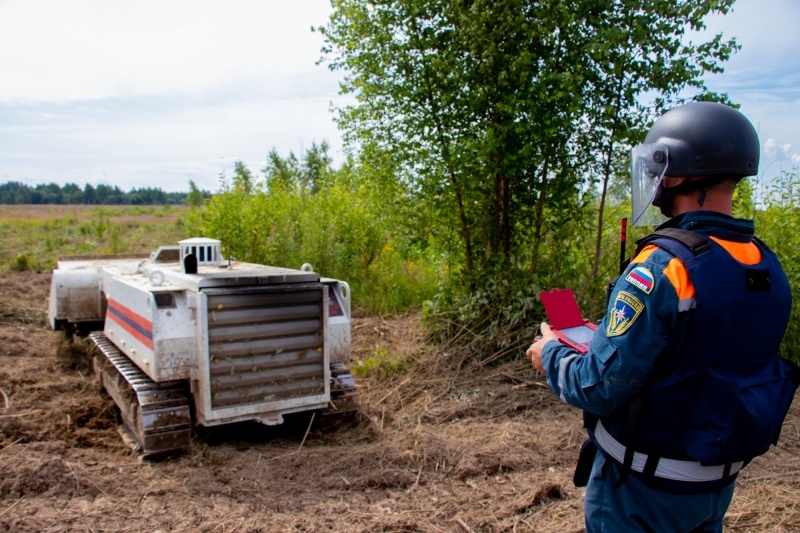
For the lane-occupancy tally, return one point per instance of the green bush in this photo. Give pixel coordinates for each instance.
(381, 365)
(778, 225)
(361, 229)
(22, 262)
(345, 229)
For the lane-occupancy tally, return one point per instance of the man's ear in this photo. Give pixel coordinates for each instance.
(672, 181)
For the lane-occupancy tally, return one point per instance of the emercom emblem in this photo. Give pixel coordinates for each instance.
(627, 309)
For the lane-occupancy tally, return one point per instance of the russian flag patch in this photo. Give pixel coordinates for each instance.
(641, 278)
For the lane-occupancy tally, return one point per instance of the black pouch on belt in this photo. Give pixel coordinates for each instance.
(585, 461)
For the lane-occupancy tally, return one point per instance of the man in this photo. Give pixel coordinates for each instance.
(682, 385)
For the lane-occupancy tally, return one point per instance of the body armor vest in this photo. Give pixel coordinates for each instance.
(722, 394)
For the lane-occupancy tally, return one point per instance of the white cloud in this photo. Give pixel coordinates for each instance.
(766, 30)
(93, 49)
(154, 93)
(795, 160)
(764, 76)
(166, 149)
(770, 147)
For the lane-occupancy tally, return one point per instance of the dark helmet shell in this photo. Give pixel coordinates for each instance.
(707, 139)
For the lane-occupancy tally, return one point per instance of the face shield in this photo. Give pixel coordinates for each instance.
(648, 165)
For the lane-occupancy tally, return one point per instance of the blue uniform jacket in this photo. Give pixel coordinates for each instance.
(644, 323)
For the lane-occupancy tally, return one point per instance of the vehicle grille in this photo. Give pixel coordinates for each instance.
(265, 343)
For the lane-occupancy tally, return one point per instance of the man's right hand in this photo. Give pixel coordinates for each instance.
(534, 353)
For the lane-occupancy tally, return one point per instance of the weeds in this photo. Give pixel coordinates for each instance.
(25, 315)
(22, 262)
(33, 237)
(381, 365)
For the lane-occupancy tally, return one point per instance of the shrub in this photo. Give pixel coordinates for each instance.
(778, 225)
(380, 365)
(345, 228)
(22, 262)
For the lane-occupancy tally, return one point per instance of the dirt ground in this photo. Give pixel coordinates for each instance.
(431, 449)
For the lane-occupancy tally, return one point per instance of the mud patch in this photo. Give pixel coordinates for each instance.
(35, 474)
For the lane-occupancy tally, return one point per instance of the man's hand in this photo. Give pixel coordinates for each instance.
(534, 353)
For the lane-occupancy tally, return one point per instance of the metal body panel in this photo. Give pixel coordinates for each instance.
(158, 339)
(76, 287)
(75, 296)
(129, 320)
(222, 276)
(174, 336)
(339, 335)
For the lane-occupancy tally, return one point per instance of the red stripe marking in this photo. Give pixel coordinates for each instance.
(138, 320)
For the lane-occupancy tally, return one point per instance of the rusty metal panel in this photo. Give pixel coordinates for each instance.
(229, 315)
(271, 330)
(264, 346)
(249, 296)
(262, 392)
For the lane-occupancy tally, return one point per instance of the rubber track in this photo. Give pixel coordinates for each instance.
(156, 415)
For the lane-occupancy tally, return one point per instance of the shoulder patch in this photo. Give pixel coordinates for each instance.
(641, 278)
(627, 309)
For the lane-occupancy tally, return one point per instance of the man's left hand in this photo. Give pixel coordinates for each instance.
(534, 353)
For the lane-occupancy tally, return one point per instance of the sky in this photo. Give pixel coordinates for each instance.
(155, 93)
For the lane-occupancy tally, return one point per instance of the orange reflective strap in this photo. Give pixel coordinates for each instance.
(675, 272)
(746, 253)
(646, 252)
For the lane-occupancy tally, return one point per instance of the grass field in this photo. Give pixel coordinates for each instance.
(34, 236)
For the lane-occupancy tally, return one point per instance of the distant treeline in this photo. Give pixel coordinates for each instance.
(19, 193)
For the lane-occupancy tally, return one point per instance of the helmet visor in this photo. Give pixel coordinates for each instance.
(648, 165)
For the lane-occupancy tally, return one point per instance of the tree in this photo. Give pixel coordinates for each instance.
(440, 95)
(70, 193)
(633, 49)
(307, 176)
(195, 196)
(281, 173)
(487, 102)
(501, 117)
(316, 168)
(89, 195)
(243, 179)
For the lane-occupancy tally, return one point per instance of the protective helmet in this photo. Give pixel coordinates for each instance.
(697, 139)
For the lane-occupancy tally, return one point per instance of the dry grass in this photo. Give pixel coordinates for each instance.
(484, 449)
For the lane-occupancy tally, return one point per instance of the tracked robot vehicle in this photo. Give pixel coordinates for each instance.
(185, 338)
